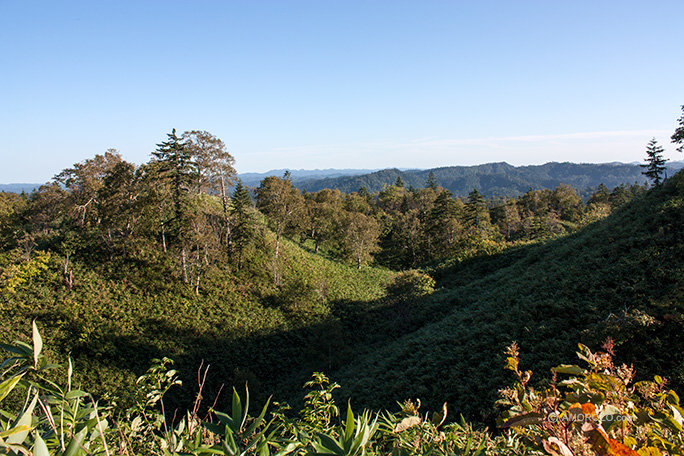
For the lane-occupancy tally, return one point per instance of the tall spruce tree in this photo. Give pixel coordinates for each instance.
(476, 212)
(655, 162)
(242, 213)
(431, 181)
(678, 136)
(173, 166)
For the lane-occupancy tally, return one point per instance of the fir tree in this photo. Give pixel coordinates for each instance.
(431, 182)
(242, 219)
(176, 167)
(678, 136)
(399, 182)
(655, 162)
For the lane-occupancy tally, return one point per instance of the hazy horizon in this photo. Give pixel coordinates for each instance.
(371, 170)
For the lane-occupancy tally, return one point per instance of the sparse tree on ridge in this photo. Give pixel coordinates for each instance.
(173, 166)
(399, 182)
(655, 162)
(215, 169)
(678, 136)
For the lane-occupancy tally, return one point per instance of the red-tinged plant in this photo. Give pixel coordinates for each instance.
(599, 411)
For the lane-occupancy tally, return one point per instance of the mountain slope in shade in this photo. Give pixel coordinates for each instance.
(622, 277)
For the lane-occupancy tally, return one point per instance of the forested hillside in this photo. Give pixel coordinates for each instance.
(493, 179)
(121, 264)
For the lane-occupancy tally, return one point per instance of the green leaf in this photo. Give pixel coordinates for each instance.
(569, 369)
(226, 420)
(39, 447)
(74, 447)
(349, 424)
(525, 419)
(237, 411)
(214, 428)
(610, 416)
(8, 385)
(70, 373)
(20, 349)
(37, 344)
(75, 394)
(668, 421)
(328, 445)
(14, 430)
(24, 420)
(672, 398)
(246, 410)
(259, 419)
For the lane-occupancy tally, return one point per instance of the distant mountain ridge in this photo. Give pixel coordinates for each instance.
(18, 188)
(494, 179)
(302, 175)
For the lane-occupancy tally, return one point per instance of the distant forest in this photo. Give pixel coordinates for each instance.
(492, 179)
(495, 180)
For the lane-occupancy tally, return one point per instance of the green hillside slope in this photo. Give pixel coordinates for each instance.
(622, 277)
(120, 315)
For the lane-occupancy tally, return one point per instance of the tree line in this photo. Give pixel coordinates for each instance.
(186, 205)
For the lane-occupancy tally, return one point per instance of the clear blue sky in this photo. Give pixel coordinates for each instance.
(339, 84)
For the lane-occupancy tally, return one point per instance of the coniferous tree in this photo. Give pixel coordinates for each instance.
(655, 162)
(431, 182)
(173, 166)
(242, 212)
(399, 182)
(600, 196)
(363, 191)
(476, 213)
(678, 136)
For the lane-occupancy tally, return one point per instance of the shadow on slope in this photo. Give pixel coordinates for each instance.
(622, 277)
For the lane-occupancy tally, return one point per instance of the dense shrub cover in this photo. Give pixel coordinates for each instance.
(602, 413)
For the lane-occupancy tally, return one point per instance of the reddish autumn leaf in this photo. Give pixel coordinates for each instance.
(589, 409)
(604, 445)
(616, 448)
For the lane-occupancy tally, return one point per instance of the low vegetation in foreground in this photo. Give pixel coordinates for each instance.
(595, 410)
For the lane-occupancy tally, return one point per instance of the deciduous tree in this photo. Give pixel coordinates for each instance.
(361, 234)
(281, 203)
(215, 169)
